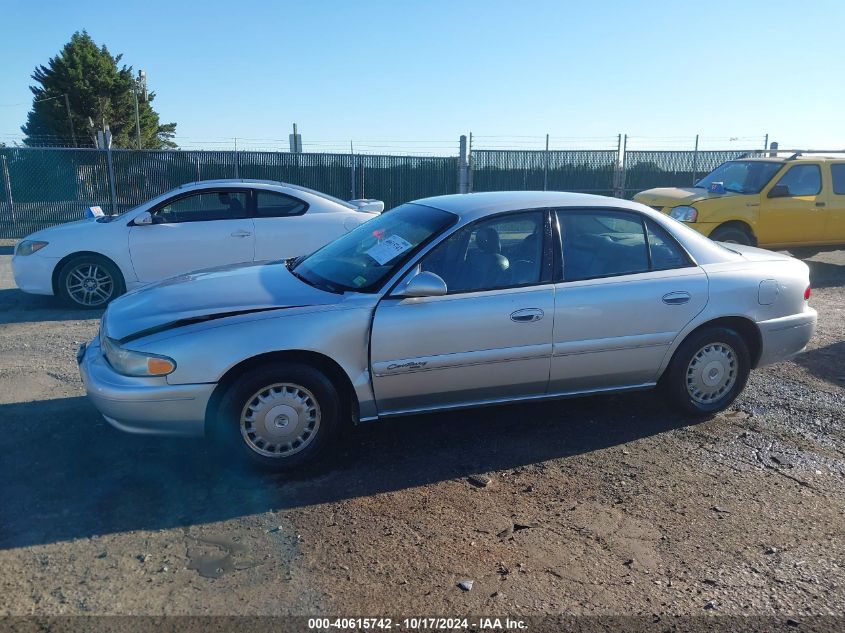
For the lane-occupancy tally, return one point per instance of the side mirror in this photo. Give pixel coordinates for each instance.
(779, 191)
(424, 284)
(143, 219)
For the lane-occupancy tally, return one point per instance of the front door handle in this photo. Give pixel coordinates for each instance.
(241, 234)
(676, 298)
(527, 315)
(820, 204)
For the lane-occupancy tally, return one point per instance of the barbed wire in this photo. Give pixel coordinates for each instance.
(437, 146)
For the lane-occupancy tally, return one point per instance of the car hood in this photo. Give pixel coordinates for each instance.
(674, 196)
(68, 228)
(210, 294)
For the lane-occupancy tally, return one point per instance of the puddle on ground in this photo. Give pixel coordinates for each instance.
(212, 557)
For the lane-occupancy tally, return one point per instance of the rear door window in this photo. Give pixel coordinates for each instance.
(606, 243)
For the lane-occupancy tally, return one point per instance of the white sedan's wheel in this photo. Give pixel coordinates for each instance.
(89, 282)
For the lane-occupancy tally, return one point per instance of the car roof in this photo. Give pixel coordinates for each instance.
(471, 206)
(824, 158)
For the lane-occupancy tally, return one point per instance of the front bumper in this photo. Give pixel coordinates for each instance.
(142, 405)
(34, 273)
(786, 336)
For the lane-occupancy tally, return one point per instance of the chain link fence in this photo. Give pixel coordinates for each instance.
(647, 169)
(591, 171)
(40, 187)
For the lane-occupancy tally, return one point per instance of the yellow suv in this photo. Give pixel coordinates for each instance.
(770, 202)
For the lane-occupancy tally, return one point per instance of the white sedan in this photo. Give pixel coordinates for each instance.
(198, 225)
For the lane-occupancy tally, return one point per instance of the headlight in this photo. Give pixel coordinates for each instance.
(131, 363)
(684, 214)
(28, 247)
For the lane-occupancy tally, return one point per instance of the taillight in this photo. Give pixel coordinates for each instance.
(807, 293)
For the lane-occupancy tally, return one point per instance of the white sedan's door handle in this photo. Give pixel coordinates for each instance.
(527, 315)
(241, 233)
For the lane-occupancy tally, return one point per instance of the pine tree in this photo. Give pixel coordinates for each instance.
(99, 92)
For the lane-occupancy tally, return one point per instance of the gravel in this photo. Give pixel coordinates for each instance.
(607, 505)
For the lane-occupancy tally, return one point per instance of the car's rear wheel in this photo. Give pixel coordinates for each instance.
(732, 235)
(278, 417)
(89, 282)
(707, 372)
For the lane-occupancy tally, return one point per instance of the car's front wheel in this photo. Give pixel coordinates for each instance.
(278, 416)
(732, 235)
(708, 371)
(89, 282)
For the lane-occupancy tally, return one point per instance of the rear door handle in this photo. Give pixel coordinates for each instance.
(820, 204)
(241, 234)
(676, 298)
(527, 315)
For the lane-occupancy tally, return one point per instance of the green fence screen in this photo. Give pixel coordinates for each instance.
(40, 187)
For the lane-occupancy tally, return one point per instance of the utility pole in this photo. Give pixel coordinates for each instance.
(295, 140)
(139, 85)
(70, 120)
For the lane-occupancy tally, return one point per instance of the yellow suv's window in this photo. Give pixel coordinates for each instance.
(802, 180)
(838, 173)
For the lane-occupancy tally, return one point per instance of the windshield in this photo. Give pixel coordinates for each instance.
(363, 258)
(742, 176)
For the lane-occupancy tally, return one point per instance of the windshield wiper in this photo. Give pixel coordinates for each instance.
(734, 190)
(322, 285)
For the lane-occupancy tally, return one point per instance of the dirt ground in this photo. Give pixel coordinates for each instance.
(607, 505)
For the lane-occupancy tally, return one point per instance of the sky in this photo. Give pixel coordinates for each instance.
(413, 76)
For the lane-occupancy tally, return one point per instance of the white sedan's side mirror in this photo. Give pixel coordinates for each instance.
(424, 284)
(143, 219)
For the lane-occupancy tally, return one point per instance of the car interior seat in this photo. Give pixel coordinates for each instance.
(487, 265)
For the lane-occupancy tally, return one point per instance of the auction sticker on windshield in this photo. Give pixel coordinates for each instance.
(389, 248)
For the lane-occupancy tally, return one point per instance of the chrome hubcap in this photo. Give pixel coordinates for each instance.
(90, 285)
(280, 420)
(711, 373)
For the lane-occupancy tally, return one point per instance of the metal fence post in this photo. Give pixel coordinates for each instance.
(695, 161)
(624, 172)
(352, 164)
(617, 171)
(237, 160)
(463, 166)
(112, 188)
(7, 186)
(470, 166)
(546, 166)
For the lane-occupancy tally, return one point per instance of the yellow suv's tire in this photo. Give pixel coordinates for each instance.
(732, 234)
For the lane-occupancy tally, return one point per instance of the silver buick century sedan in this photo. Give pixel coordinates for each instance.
(447, 302)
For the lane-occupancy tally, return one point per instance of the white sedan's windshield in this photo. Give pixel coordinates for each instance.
(364, 257)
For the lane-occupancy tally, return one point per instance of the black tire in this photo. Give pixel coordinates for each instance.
(804, 253)
(101, 268)
(733, 234)
(681, 378)
(242, 442)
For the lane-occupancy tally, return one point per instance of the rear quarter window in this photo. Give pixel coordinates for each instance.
(838, 173)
